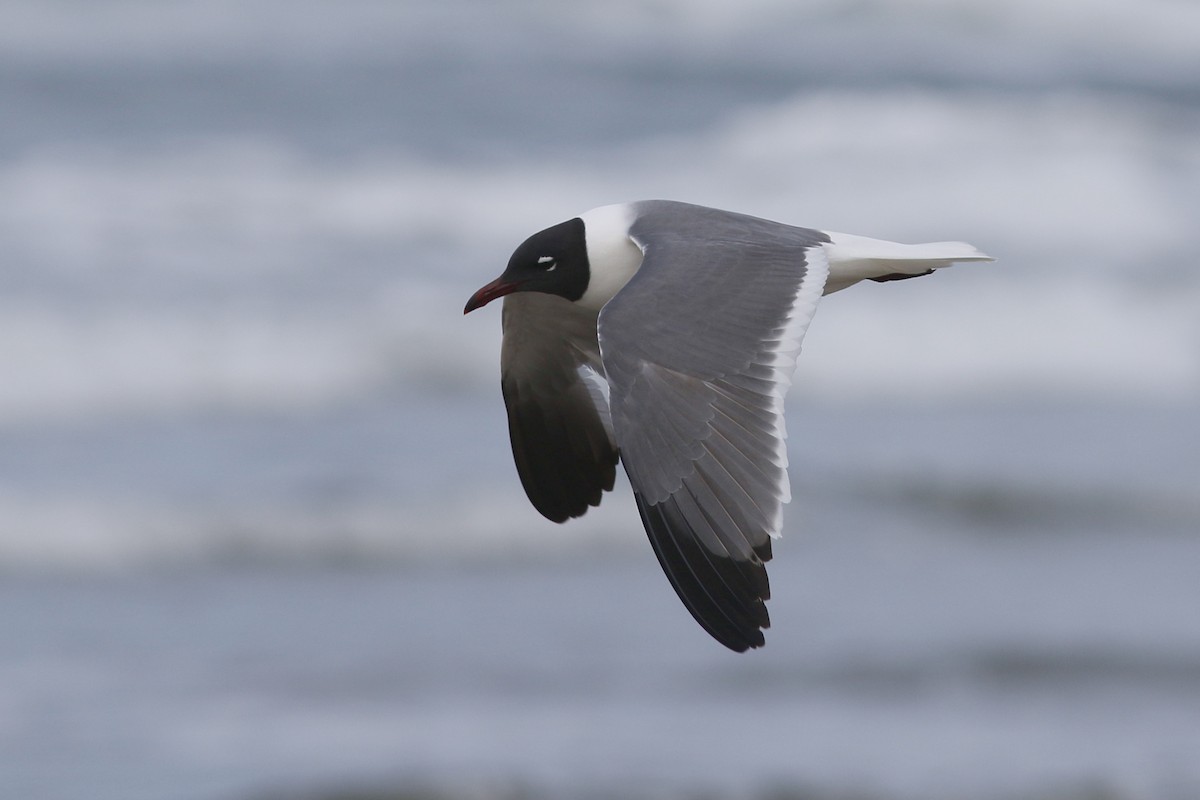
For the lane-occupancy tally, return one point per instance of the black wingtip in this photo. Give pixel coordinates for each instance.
(710, 586)
(563, 455)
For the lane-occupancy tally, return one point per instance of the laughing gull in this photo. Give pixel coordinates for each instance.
(664, 335)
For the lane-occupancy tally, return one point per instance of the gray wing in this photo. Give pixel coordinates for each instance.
(699, 349)
(561, 440)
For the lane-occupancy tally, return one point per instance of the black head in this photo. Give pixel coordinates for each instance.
(553, 261)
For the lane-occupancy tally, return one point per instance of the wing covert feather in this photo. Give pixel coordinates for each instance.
(698, 349)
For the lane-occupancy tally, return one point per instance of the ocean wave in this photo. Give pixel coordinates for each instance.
(988, 506)
(1051, 39)
(906, 347)
(529, 787)
(90, 531)
(253, 274)
(1020, 666)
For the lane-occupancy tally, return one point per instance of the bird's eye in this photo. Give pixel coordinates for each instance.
(547, 263)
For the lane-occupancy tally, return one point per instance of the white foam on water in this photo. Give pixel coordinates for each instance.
(248, 274)
(84, 532)
(983, 472)
(1000, 341)
(1065, 178)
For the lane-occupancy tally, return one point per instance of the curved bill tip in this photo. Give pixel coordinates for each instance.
(497, 288)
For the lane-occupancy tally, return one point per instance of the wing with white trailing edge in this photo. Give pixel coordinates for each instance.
(699, 349)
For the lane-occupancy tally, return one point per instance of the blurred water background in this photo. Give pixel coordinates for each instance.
(260, 536)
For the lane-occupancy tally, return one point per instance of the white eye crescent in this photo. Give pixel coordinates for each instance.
(548, 262)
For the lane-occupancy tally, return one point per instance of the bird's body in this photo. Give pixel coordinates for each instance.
(664, 335)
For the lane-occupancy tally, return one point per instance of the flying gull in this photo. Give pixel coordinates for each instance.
(664, 335)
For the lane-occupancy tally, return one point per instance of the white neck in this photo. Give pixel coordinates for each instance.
(613, 258)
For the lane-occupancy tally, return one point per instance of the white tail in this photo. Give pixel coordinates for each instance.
(856, 258)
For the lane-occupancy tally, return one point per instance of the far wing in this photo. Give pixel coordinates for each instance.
(561, 441)
(699, 348)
